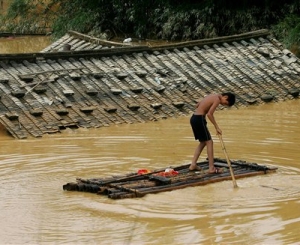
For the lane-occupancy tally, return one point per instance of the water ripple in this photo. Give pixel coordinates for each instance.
(263, 210)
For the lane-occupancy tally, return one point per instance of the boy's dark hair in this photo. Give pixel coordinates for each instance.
(231, 98)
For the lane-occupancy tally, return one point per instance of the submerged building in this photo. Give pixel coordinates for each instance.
(81, 81)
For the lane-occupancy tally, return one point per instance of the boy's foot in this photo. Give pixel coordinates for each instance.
(195, 168)
(216, 171)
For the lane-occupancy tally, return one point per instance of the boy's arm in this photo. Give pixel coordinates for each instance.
(210, 115)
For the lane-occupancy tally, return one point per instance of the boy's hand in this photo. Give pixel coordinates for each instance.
(219, 131)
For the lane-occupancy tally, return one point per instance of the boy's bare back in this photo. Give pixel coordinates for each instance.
(208, 104)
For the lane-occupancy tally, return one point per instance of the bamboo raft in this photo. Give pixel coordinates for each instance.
(144, 182)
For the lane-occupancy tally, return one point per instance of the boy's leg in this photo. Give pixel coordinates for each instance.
(210, 155)
(197, 153)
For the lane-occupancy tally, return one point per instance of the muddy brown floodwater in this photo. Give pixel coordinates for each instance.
(263, 210)
(23, 44)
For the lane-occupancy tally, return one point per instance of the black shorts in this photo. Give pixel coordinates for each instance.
(199, 126)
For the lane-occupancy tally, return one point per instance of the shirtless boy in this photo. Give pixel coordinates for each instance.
(207, 107)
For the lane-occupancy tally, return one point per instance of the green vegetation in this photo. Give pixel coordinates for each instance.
(288, 29)
(155, 19)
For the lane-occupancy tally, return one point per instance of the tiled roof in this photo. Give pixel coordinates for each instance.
(49, 91)
(76, 41)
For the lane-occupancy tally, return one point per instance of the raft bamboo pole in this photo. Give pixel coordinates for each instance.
(131, 178)
(144, 185)
(207, 178)
(135, 176)
(126, 195)
(135, 187)
(139, 191)
(176, 186)
(131, 193)
(116, 188)
(138, 184)
(131, 190)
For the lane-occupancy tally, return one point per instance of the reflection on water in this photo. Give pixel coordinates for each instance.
(263, 210)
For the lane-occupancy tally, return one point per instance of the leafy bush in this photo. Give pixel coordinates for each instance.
(287, 31)
(158, 19)
(24, 17)
(184, 25)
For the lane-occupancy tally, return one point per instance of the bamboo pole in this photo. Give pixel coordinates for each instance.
(228, 162)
